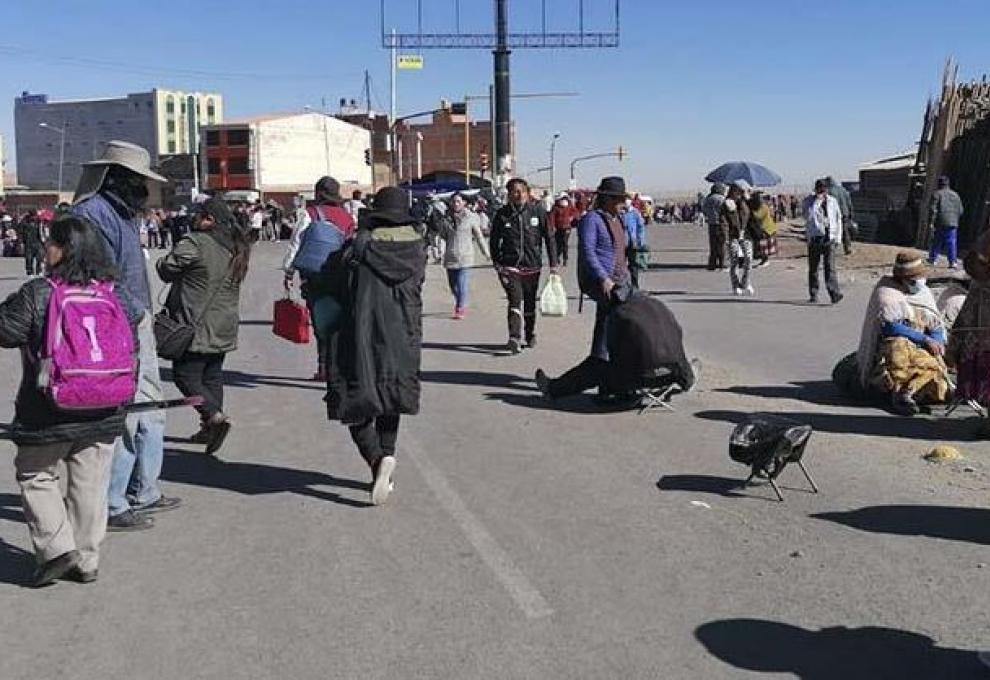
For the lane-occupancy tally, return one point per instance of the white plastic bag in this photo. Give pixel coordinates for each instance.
(553, 299)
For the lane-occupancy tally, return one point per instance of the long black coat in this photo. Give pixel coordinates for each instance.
(375, 356)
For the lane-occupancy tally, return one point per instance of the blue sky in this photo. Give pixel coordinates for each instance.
(809, 88)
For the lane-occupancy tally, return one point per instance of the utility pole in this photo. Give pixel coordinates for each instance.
(393, 56)
(503, 113)
(553, 163)
(367, 92)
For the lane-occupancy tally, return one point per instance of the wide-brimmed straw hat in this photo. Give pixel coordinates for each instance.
(124, 154)
(910, 266)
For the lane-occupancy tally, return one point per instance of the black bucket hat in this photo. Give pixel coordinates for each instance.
(391, 208)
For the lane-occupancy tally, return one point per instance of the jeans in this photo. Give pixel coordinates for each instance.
(944, 241)
(376, 437)
(599, 336)
(137, 456)
(521, 291)
(822, 252)
(201, 375)
(561, 238)
(740, 262)
(458, 281)
(79, 522)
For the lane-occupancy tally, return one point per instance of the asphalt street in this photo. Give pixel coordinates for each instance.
(529, 539)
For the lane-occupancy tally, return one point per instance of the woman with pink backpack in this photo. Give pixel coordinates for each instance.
(75, 330)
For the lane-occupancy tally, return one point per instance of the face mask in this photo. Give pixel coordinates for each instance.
(917, 286)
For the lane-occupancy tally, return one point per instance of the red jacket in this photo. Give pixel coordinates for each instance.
(563, 218)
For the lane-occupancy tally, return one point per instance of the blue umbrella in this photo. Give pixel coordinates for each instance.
(754, 173)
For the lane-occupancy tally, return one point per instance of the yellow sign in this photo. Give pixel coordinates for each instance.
(410, 61)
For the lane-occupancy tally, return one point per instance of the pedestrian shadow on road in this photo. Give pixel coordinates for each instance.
(750, 301)
(582, 403)
(874, 425)
(675, 266)
(252, 479)
(10, 507)
(509, 380)
(16, 564)
(868, 653)
(821, 392)
(251, 381)
(490, 349)
(971, 525)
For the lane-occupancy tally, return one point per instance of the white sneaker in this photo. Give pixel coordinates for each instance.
(738, 291)
(749, 289)
(382, 486)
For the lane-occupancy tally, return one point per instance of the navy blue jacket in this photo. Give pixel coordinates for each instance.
(119, 226)
(598, 257)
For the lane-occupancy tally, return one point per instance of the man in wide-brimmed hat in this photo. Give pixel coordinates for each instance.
(375, 355)
(903, 339)
(603, 275)
(112, 194)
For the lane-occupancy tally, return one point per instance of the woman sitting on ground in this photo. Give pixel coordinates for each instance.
(969, 345)
(902, 345)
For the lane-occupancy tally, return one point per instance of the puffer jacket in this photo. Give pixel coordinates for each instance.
(519, 236)
(199, 269)
(36, 420)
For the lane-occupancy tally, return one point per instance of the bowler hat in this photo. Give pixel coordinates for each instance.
(612, 186)
(391, 207)
(909, 266)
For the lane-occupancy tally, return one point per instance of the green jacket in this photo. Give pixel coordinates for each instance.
(197, 267)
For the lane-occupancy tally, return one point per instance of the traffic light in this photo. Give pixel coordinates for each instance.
(483, 159)
(367, 156)
(622, 153)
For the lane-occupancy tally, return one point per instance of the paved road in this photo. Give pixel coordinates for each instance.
(529, 540)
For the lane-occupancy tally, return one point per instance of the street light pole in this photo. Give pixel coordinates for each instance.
(553, 164)
(419, 155)
(61, 153)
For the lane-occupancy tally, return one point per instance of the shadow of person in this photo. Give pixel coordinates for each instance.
(16, 565)
(251, 381)
(869, 653)
(490, 349)
(820, 392)
(508, 380)
(971, 525)
(185, 467)
(10, 507)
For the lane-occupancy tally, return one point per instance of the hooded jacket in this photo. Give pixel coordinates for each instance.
(519, 235)
(375, 356)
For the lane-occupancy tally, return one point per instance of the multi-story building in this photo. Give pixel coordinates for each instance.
(425, 148)
(53, 138)
(282, 155)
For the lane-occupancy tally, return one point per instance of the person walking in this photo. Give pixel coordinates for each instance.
(519, 234)
(635, 227)
(603, 275)
(562, 219)
(66, 532)
(711, 208)
(375, 355)
(763, 229)
(34, 244)
(734, 220)
(459, 255)
(111, 194)
(945, 212)
(330, 223)
(823, 229)
(206, 269)
(844, 198)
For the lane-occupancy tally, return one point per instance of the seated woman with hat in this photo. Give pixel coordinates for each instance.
(903, 340)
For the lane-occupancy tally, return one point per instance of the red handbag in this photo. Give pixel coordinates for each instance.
(291, 321)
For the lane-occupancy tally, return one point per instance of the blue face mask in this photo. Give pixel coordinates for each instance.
(916, 286)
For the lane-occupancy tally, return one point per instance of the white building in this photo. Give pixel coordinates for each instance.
(158, 120)
(284, 153)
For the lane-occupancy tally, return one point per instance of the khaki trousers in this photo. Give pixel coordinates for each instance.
(79, 522)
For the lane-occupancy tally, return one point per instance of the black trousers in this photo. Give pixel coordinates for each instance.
(588, 374)
(562, 237)
(34, 259)
(201, 375)
(822, 253)
(522, 292)
(376, 437)
(716, 247)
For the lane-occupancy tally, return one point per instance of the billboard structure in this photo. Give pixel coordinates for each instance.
(591, 24)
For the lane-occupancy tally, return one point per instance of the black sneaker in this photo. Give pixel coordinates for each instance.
(514, 346)
(836, 299)
(531, 341)
(904, 405)
(52, 570)
(163, 504)
(80, 576)
(129, 520)
(813, 300)
(219, 429)
(543, 383)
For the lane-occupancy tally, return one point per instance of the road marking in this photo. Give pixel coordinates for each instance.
(525, 594)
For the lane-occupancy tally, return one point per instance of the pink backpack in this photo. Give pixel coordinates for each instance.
(87, 361)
